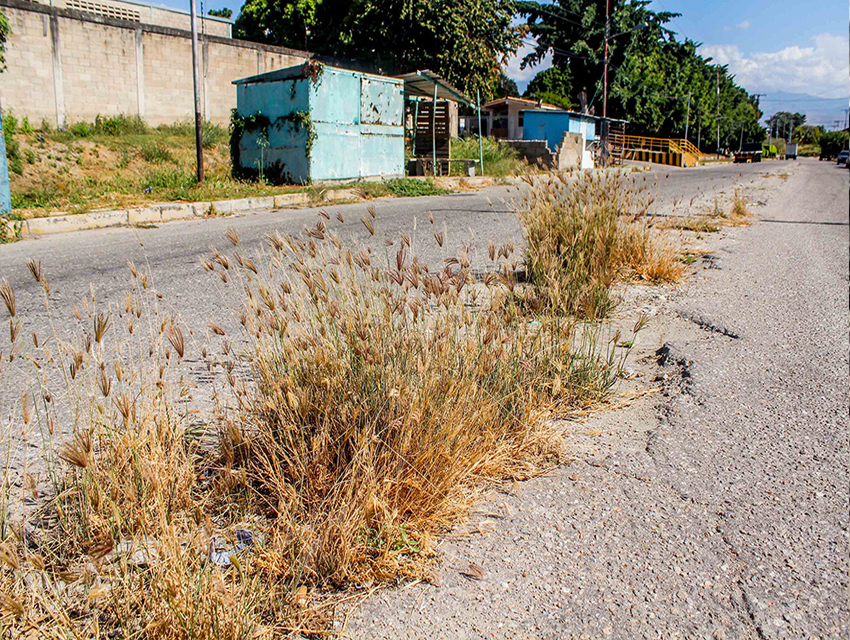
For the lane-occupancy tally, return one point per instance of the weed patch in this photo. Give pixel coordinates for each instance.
(382, 396)
(585, 232)
(499, 159)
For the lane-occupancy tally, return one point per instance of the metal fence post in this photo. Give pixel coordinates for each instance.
(434, 130)
(480, 139)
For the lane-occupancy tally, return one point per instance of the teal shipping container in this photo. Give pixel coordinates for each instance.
(314, 123)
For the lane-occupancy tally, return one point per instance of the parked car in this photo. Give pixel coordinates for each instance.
(842, 156)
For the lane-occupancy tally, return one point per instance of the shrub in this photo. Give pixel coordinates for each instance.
(14, 158)
(407, 187)
(81, 129)
(10, 123)
(119, 125)
(26, 127)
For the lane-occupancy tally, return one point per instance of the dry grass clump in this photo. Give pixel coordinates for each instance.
(739, 215)
(697, 224)
(584, 234)
(384, 395)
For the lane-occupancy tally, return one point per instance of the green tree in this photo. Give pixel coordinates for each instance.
(652, 77)
(781, 122)
(808, 134)
(465, 41)
(552, 85)
(832, 142)
(503, 87)
(5, 30)
(221, 13)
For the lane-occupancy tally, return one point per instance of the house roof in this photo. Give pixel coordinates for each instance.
(504, 101)
(300, 71)
(577, 114)
(421, 84)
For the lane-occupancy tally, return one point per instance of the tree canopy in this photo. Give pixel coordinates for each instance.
(552, 85)
(503, 87)
(5, 30)
(465, 41)
(221, 13)
(782, 122)
(652, 76)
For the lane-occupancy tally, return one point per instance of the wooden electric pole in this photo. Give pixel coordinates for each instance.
(196, 78)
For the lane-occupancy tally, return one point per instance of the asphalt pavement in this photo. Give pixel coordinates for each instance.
(720, 510)
(725, 511)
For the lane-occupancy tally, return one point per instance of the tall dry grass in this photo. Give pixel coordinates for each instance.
(383, 395)
(584, 233)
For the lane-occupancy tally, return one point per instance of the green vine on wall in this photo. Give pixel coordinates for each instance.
(260, 124)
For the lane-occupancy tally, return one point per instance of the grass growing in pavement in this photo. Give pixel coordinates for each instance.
(376, 397)
(583, 235)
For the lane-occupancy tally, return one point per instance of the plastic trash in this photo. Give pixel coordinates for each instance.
(244, 540)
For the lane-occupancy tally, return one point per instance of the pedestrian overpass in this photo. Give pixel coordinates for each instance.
(674, 152)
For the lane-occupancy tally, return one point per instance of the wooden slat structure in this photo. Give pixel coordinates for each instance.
(427, 127)
(431, 130)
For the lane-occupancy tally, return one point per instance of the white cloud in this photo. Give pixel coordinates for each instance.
(524, 76)
(821, 69)
(741, 25)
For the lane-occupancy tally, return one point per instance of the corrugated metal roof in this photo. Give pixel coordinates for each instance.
(421, 83)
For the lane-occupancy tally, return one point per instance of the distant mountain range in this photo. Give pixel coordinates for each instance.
(824, 111)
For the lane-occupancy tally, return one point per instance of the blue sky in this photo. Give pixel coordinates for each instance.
(771, 46)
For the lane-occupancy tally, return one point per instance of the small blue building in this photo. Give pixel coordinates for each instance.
(552, 125)
(314, 122)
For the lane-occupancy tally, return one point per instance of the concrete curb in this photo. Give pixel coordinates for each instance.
(171, 211)
(167, 212)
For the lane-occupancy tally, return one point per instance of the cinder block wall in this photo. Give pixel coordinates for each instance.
(66, 66)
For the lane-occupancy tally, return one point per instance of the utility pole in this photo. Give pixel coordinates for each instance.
(196, 78)
(605, 75)
(741, 144)
(718, 110)
(688, 116)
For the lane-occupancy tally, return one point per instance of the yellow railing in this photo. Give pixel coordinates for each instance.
(691, 154)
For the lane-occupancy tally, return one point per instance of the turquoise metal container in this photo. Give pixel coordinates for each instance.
(5, 190)
(314, 123)
(552, 125)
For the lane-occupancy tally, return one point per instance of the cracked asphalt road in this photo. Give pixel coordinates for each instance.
(719, 509)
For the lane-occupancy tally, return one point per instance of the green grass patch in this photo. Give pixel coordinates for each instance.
(499, 159)
(401, 188)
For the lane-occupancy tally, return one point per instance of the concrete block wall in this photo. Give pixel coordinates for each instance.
(532, 151)
(66, 66)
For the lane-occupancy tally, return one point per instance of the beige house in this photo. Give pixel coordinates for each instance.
(503, 118)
